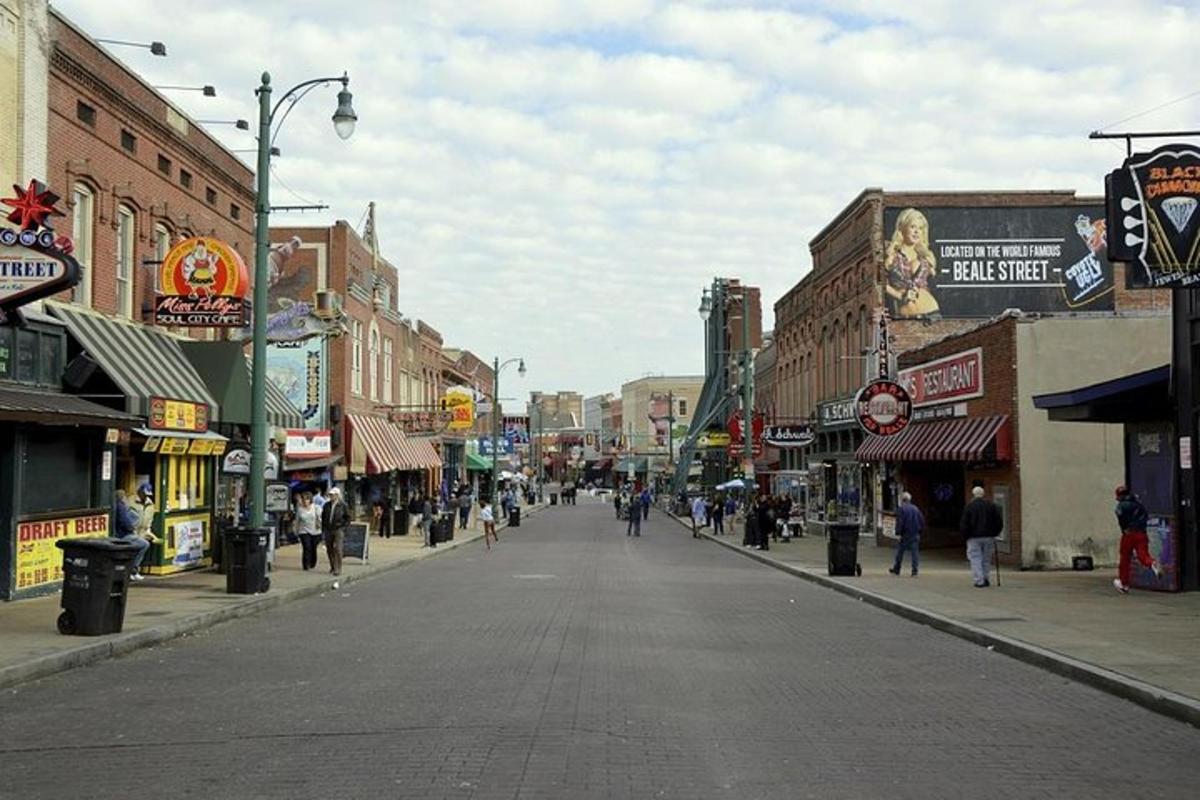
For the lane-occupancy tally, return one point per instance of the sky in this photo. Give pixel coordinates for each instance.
(559, 180)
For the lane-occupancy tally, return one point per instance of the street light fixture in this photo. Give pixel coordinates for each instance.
(258, 374)
(206, 90)
(705, 306)
(496, 368)
(155, 48)
(240, 124)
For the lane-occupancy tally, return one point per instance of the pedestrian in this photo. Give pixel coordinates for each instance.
(698, 515)
(634, 526)
(125, 521)
(645, 498)
(766, 523)
(1132, 518)
(427, 522)
(718, 517)
(144, 508)
(489, 522)
(414, 510)
(750, 531)
(464, 508)
(307, 526)
(335, 516)
(377, 517)
(910, 524)
(980, 525)
(708, 511)
(617, 504)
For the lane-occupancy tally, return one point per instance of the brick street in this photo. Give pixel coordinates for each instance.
(573, 661)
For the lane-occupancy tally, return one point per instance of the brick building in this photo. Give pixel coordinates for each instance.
(939, 263)
(136, 173)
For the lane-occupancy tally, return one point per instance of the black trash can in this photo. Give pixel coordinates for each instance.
(95, 582)
(445, 526)
(553, 499)
(400, 522)
(246, 556)
(842, 543)
(514, 517)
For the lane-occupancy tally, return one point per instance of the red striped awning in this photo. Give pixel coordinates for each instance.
(966, 439)
(375, 445)
(418, 452)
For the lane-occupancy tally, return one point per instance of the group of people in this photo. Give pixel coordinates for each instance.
(637, 505)
(767, 517)
(319, 519)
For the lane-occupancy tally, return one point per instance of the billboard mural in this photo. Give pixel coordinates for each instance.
(298, 370)
(660, 413)
(977, 262)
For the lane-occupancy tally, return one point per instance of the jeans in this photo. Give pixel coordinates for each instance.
(308, 541)
(333, 548)
(979, 551)
(142, 545)
(912, 544)
(718, 524)
(463, 515)
(635, 523)
(645, 511)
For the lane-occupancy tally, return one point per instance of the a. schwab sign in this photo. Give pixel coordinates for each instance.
(977, 262)
(945, 380)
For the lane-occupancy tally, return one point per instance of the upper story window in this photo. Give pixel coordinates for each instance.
(128, 141)
(185, 179)
(162, 246)
(388, 396)
(125, 246)
(210, 195)
(164, 164)
(235, 211)
(373, 363)
(32, 354)
(85, 113)
(83, 216)
(682, 408)
(356, 336)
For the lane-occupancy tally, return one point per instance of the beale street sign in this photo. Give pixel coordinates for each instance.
(945, 380)
(34, 263)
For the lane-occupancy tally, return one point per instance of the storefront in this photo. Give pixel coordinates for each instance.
(840, 488)
(56, 459)
(385, 465)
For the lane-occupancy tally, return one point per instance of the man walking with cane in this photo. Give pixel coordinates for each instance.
(980, 525)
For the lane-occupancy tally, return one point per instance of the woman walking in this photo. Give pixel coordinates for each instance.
(307, 527)
(489, 522)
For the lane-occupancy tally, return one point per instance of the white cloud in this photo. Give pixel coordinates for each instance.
(559, 180)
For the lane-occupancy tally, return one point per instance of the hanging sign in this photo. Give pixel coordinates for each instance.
(460, 402)
(883, 407)
(1151, 204)
(945, 380)
(308, 444)
(427, 422)
(34, 263)
(177, 415)
(789, 435)
(237, 462)
(203, 283)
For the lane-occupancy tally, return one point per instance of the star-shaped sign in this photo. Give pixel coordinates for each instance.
(32, 205)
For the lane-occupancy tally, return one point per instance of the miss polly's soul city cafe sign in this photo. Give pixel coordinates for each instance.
(203, 283)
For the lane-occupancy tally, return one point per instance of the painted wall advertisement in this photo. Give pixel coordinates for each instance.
(298, 370)
(39, 561)
(188, 542)
(660, 414)
(977, 262)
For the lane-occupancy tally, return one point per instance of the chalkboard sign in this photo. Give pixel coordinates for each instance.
(354, 545)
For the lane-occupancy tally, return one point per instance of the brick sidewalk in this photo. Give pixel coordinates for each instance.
(163, 608)
(1149, 637)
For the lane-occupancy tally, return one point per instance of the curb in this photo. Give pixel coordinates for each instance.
(1154, 698)
(123, 643)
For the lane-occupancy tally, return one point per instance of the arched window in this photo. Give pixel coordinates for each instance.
(126, 240)
(373, 363)
(834, 349)
(83, 221)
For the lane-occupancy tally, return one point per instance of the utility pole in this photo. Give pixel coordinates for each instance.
(747, 393)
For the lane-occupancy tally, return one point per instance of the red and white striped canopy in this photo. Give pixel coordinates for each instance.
(966, 439)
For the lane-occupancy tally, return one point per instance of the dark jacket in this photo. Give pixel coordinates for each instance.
(981, 520)
(909, 520)
(125, 520)
(335, 516)
(1131, 514)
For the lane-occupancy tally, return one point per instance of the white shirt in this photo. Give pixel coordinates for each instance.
(486, 514)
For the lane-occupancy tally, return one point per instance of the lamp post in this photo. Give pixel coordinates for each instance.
(343, 123)
(496, 367)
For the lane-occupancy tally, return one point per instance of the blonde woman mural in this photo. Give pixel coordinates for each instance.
(911, 267)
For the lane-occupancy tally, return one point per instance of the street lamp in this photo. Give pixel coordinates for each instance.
(155, 48)
(240, 124)
(206, 90)
(496, 367)
(343, 123)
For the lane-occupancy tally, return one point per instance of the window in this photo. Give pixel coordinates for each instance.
(164, 164)
(85, 113)
(388, 397)
(162, 246)
(210, 195)
(125, 243)
(83, 214)
(373, 364)
(683, 408)
(356, 332)
(57, 471)
(128, 141)
(185, 179)
(235, 211)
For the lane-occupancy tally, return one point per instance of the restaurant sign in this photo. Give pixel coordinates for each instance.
(789, 435)
(1151, 206)
(945, 380)
(836, 413)
(203, 283)
(177, 415)
(308, 444)
(39, 561)
(460, 402)
(34, 262)
(883, 408)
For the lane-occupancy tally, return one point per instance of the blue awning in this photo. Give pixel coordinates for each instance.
(1140, 397)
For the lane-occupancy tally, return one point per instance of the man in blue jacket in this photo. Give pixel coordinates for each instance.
(910, 524)
(125, 521)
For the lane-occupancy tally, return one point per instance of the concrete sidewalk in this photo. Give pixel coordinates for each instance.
(163, 608)
(1144, 646)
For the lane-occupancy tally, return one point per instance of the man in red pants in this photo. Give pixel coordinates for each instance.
(1132, 517)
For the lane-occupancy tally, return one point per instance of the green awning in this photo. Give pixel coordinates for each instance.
(478, 463)
(226, 371)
